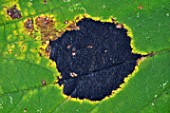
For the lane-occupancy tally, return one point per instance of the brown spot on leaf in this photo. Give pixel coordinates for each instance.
(48, 51)
(66, 22)
(40, 53)
(140, 59)
(43, 82)
(113, 20)
(45, 1)
(77, 18)
(140, 7)
(51, 64)
(29, 25)
(13, 12)
(151, 54)
(72, 26)
(46, 25)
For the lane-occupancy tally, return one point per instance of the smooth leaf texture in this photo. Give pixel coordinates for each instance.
(22, 69)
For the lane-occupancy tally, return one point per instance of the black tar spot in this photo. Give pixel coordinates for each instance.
(94, 60)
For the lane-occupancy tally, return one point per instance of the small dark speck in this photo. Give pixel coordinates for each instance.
(45, 1)
(66, 22)
(43, 82)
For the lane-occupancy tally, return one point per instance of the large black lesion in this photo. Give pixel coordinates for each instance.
(93, 60)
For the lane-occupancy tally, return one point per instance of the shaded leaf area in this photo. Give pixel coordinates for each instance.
(93, 60)
(149, 25)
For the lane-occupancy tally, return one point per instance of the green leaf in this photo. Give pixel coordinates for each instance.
(22, 69)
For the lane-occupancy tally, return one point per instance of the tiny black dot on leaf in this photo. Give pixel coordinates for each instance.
(45, 1)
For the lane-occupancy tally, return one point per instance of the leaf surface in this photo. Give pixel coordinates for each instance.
(22, 69)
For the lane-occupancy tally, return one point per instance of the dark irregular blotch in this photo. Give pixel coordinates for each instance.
(14, 13)
(100, 55)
